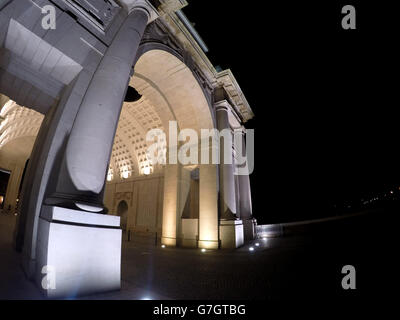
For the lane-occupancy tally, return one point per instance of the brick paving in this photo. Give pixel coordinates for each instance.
(301, 267)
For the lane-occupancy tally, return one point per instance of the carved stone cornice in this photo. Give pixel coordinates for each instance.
(227, 80)
(170, 6)
(169, 31)
(158, 32)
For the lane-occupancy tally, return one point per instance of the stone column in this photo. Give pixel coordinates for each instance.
(81, 140)
(208, 207)
(90, 144)
(226, 174)
(13, 187)
(246, 211)
(171, 204)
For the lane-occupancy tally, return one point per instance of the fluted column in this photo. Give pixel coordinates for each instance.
(90, 144)
(208, 207)
(171, 205)
(246, 210)
(226, 174)
(244, 188)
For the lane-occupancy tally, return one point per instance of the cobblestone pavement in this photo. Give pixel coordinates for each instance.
(296, 267)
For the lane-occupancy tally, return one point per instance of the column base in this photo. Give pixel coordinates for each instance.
(169, 242)
(249, 229)
(28, 266)
(81, 252)
(190, 233)
(209, 244)
(231, 233)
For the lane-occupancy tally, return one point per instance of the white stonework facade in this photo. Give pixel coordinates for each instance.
(89, 155)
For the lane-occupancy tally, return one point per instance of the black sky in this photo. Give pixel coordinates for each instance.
(325, 99)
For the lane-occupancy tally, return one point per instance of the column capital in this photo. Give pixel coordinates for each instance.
(242, 130)
(143, 5)
(222, 105)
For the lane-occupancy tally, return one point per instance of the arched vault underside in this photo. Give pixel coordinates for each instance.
(170, 92)
(18, 131)
(76, 76)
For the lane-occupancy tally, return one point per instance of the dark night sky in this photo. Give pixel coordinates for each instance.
(325, 99)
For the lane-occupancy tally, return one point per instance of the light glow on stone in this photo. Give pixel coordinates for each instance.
(110, 175)
(125, 175)
(203, 250)
(147, 171)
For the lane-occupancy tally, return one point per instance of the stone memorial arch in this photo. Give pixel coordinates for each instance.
(107, 74)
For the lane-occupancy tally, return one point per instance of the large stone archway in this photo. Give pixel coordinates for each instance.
(89, 136)
(170, 92)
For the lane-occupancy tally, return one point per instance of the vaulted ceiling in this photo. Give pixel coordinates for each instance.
(169, 93)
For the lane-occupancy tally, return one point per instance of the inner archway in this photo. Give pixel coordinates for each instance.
(122, 211)
(78, 82)
(168, 91)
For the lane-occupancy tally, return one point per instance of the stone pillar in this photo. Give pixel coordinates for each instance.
(13, 187)
(226, 174)
(208, 215)
(246, 211)
(84, 155)
(171, 205)
(90, 144)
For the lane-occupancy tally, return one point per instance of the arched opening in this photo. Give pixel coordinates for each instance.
(19, 127)
(167, 90)
(77, 80)
(4, 179)
(163, 89)
(122, 211)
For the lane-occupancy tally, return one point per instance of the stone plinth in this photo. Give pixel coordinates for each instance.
(249, 229)
(231, 232)
(190, 232)
(82, 252)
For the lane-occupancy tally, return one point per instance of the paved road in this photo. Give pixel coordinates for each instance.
(302, 267)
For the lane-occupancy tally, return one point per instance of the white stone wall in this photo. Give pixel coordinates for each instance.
(144, 197)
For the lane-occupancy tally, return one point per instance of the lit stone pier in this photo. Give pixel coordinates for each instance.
(64, 97)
